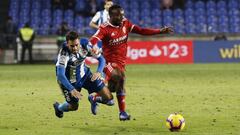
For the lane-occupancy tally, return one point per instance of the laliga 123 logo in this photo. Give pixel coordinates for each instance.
(155, 52)
(172, 51)
(134, 54)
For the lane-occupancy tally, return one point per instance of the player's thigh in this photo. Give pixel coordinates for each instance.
(114, 73)
(117, 80)
(93, 86)
(113, 69)
(69, 98)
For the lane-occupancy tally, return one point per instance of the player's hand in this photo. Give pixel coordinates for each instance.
(96, 76)
(76, 94)
(167, 30)
(96, 50)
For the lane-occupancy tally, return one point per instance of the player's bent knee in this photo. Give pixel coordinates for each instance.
(109, 96)
(116, 83)
(106, 94)
(116, 77)
(108, 99)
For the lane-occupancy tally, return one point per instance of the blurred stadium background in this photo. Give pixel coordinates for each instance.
(192, 20)
(193, 17)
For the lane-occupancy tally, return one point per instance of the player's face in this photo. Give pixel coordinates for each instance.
(116, 17)
(73, 45)
(108, 5)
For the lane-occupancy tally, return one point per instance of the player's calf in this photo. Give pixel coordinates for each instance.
(73, 107)
(64, 107)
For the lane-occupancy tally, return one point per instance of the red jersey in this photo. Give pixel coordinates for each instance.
(114, 39)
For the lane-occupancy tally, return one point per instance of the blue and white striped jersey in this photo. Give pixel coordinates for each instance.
(74, 64)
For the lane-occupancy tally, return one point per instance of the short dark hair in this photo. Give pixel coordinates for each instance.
(114, 7)
(27, 24)
(72, 35)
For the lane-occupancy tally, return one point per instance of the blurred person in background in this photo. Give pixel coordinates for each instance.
(56, 4)
(172, 4)
(61, 32)
(10, 31)
(90, 8)
(63, 4)
(220, 37)
(101, 16)
(68, 4)
(167, 4)
(114, 36)
(179, 4)
(27, 36)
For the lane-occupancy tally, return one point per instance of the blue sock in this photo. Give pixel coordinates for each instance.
(63, 107)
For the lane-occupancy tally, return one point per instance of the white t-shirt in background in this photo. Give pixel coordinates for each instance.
(101, 17)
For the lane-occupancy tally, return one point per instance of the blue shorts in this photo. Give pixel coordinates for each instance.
(85, 82)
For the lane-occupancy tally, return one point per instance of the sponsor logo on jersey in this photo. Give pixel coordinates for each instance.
(119, 40)
(113, 34)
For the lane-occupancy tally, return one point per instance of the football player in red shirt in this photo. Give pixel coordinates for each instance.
(114, 35)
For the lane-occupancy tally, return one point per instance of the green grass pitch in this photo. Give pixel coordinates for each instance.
(207, 95)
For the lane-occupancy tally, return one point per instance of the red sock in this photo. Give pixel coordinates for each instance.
(121, 102)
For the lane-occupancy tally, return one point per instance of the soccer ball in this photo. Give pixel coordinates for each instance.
(175, 122)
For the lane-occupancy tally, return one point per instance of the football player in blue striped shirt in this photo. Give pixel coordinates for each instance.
(73, 75)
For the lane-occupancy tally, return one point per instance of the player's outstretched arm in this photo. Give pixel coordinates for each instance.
(94, 20)
(94, 49)
(93, 25)
(63, 79)
(150, 31)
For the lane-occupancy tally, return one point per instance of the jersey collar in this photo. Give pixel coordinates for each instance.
(105, 11)
(112, 25)
(124, 19)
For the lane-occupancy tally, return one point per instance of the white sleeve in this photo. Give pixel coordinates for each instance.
(63, 58)
(96, 17)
